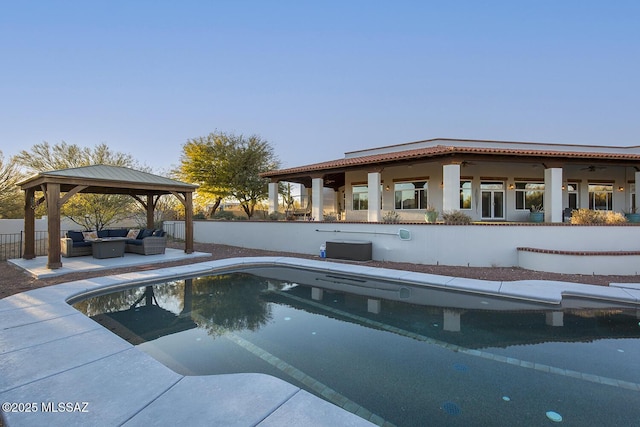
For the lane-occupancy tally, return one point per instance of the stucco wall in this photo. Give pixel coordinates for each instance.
(12, 226)
(473, 245)
(628, 264)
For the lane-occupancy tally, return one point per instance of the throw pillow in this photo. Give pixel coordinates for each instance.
(145, 233)
(76, 236)
(90, 235)
(133, 233)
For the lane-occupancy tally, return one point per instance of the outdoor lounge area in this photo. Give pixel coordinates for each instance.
(113, 242)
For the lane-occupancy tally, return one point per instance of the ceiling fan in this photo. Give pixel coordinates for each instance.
(593, 168)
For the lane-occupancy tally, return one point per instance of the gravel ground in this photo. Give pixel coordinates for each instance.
(14, 280)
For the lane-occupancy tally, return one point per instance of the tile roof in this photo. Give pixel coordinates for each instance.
(442, 150)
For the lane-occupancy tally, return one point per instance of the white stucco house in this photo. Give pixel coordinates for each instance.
(488, 180)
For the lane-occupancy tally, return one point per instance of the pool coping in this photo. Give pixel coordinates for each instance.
(51, 355)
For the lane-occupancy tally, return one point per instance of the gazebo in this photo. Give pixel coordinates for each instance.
(60, 185)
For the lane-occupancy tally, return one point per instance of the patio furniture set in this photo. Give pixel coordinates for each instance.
(113, 242)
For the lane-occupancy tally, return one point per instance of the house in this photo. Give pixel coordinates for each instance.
(488, 180)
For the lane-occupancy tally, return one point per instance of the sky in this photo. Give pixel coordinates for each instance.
(316, 78)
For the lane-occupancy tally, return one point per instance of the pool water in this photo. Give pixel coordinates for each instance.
(389, 361)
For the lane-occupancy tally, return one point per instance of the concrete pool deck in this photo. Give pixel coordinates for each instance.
(37, 267)
(69, 370)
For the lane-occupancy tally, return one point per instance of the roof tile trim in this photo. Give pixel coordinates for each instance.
(439, 150)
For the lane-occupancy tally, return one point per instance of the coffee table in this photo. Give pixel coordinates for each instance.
(108, 247)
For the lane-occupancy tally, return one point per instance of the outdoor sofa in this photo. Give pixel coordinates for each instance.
(139, 241)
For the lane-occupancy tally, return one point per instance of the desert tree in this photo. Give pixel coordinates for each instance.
(228, 166)
(90, 211)
(11, 199)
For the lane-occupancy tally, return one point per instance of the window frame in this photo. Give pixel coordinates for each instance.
(593, 193)
(523, 195)
(465, 190)
(421, 201)
(360, 201)
(573, 192)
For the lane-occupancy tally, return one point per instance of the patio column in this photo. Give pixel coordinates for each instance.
(373, 182)
(53, 225)
(553, 195)
(273, 197)
(637, 185)
(29, 225)
(451, 187)
(305, 199)
(317, 186)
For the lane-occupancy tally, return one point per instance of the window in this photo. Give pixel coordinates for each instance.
(465, 194)
(572, 191)
(601, 197)
(529, 194)
(410, 195)
(632, 190)
(360, 197)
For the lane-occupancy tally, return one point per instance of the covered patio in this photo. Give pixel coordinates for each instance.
(60, 185)
(487, 180)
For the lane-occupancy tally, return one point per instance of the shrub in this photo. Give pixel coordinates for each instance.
(614, 218)
(586, 216)
(456, 217)
(329, 217)
(224, 215)
(391, 217)
(275, 216)
(591, 217)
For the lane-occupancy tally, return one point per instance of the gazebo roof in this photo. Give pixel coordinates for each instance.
(106, 179)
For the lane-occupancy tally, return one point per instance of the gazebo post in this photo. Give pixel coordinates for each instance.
(188, 222)
(53, 224)
(150, 209)
(29, 225)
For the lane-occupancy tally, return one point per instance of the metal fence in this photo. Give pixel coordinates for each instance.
(12, 245)
(175, 230)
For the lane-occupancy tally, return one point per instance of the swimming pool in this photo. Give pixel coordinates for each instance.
(417, 356)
